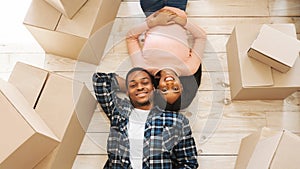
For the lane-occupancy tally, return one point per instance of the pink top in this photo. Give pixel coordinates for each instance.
(167, 47)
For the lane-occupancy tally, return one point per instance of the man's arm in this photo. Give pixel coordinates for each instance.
(105, 86)
(185, 151)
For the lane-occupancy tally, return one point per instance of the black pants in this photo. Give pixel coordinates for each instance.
(150, 6)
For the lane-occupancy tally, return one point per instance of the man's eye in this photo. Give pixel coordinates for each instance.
(132, 85)
(145, 82)
(176, 88)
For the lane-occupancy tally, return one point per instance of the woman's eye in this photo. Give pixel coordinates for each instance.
(176, 88)
(164, 90)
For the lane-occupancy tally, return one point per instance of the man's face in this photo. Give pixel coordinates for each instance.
(140, 90)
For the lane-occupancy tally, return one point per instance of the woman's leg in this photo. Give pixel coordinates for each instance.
(181, 4)
(150, 6)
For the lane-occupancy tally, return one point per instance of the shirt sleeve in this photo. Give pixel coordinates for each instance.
(185, 152)
(105, 86)
(199, 37)
(133, 45)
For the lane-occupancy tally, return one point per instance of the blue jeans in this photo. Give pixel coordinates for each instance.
(150, 6)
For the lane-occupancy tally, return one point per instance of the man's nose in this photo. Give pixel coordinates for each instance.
(140, 86)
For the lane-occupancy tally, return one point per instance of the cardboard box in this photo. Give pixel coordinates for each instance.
(25, 138)
(29, 81)
(251, 79)
(65, 105)
(67, 7)
(275, 48)
(82, 38)
(269, 149)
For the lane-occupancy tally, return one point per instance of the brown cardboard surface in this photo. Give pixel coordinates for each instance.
(94, 15)
(64, 105)
(37, 15)
(67, 107)
(62, 44)
(251, 79)
(246, 150)
(287, 154)
(71, 37)
(272, 149)
(275, 48)
(28, 80)
(66, 7)
(25, 138)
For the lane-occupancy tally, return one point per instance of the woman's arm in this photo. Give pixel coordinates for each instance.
(199, 38)
(132, 41)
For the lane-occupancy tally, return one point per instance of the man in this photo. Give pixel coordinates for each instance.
(142, 135)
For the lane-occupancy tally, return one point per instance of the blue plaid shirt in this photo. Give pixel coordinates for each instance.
(168, 141)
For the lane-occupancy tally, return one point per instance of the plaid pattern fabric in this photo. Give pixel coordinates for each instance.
(168, 141)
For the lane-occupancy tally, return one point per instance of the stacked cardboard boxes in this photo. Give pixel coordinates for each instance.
(252, 79)
(64, 107)
(280, 54)
(264, 63)
(77, 29)
(66, 7)
(25, 137)
(269, 149)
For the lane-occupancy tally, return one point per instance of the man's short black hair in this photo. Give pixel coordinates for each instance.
(138, 69)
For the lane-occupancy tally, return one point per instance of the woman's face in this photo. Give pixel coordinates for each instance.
(169, 86)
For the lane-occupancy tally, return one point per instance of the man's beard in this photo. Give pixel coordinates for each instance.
(139, 104)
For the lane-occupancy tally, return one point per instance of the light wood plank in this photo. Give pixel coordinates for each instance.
(8, 60)
(205, 162)
(284, 120)
(227, 8)
(216, 162)
(284, 8)
(89, 161)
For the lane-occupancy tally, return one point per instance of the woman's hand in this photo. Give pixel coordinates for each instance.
(165, 17)
(161, 17)
(180, 20)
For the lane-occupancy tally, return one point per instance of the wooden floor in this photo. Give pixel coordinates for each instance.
(218, 123)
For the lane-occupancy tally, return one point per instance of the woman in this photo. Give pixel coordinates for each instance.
(167, 55)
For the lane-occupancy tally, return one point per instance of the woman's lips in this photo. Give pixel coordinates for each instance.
(169, 78)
